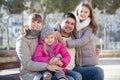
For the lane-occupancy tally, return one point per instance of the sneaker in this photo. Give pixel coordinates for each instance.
(47, 76)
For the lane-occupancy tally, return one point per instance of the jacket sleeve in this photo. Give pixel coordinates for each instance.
(56, 27)
(39, 55)
(25, 56)
(65, 56)
(84, 39)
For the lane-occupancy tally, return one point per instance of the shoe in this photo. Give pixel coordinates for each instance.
(47, 76)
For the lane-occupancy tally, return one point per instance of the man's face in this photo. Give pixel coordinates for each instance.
(68, 25)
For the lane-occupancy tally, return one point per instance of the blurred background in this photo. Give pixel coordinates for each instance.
(14, 13)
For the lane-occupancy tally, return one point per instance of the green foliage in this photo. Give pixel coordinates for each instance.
(51, 6)
(5, 47)
(112, 6)
(1, 14)
(69, 5)
(62, 5)
(109, 6)
(14, 6)
(54, 5)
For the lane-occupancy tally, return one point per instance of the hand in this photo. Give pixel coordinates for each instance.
(54, 60)
(63, 42)
(58, 35)
(59, 63)
(54, 68)
(97, 51)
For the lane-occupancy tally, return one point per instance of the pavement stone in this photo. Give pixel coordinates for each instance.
(111, 67)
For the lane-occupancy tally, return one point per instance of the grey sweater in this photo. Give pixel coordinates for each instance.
(86, 49)
(25, 47)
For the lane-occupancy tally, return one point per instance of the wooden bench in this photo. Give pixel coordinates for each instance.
(9, 65)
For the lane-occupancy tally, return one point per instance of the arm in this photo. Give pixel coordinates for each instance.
(56, 27)
(65, 55)
(39, 55)
(54, 68)
(86, 37)
(25, 56)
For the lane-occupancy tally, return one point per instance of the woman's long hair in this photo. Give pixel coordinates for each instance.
(24, 30)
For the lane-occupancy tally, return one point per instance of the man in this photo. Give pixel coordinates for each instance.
(66, 28)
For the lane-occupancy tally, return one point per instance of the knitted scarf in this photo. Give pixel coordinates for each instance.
(80, 25)
(50, 49)
(33, 32)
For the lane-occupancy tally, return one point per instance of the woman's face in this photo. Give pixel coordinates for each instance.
(49, 39)
(83, 13)
(34, 24)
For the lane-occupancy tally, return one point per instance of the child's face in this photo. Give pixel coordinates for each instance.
(49, 39)
(84, 13)
(34, 24)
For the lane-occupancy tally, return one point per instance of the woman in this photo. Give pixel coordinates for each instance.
(25, 47)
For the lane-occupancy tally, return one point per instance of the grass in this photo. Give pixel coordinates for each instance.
(5, 47)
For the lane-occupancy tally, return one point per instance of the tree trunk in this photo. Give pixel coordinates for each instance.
(31, 6)
(7, 32)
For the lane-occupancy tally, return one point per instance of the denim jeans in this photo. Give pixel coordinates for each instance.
(67, 78)
(74, 74)
(90, 72)
(39, 76)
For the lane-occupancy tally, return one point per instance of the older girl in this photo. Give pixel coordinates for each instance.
(85, 31)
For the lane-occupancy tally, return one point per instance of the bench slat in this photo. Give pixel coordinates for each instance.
(9, 65)
(9, 71)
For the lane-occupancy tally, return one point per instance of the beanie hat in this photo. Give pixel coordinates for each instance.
(45, 31)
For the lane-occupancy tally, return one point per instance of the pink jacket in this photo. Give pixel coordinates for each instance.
(41, 56)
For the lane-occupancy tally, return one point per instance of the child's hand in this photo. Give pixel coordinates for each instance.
(54, 60)
(59, 63)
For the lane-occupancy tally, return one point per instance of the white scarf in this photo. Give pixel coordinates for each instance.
(83, 24)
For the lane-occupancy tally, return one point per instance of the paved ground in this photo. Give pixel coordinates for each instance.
(111, 68)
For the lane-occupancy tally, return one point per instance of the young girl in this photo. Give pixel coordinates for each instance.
(49, 49)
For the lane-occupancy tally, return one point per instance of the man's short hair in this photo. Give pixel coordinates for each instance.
(67, 15)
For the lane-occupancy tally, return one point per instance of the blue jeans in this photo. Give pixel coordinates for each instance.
(74, 74)
(90, 72)
(67, 78)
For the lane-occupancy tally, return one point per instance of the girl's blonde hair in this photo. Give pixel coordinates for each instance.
(93, 24)
(45, 48)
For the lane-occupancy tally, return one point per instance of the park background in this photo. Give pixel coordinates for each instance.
(14, 14)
